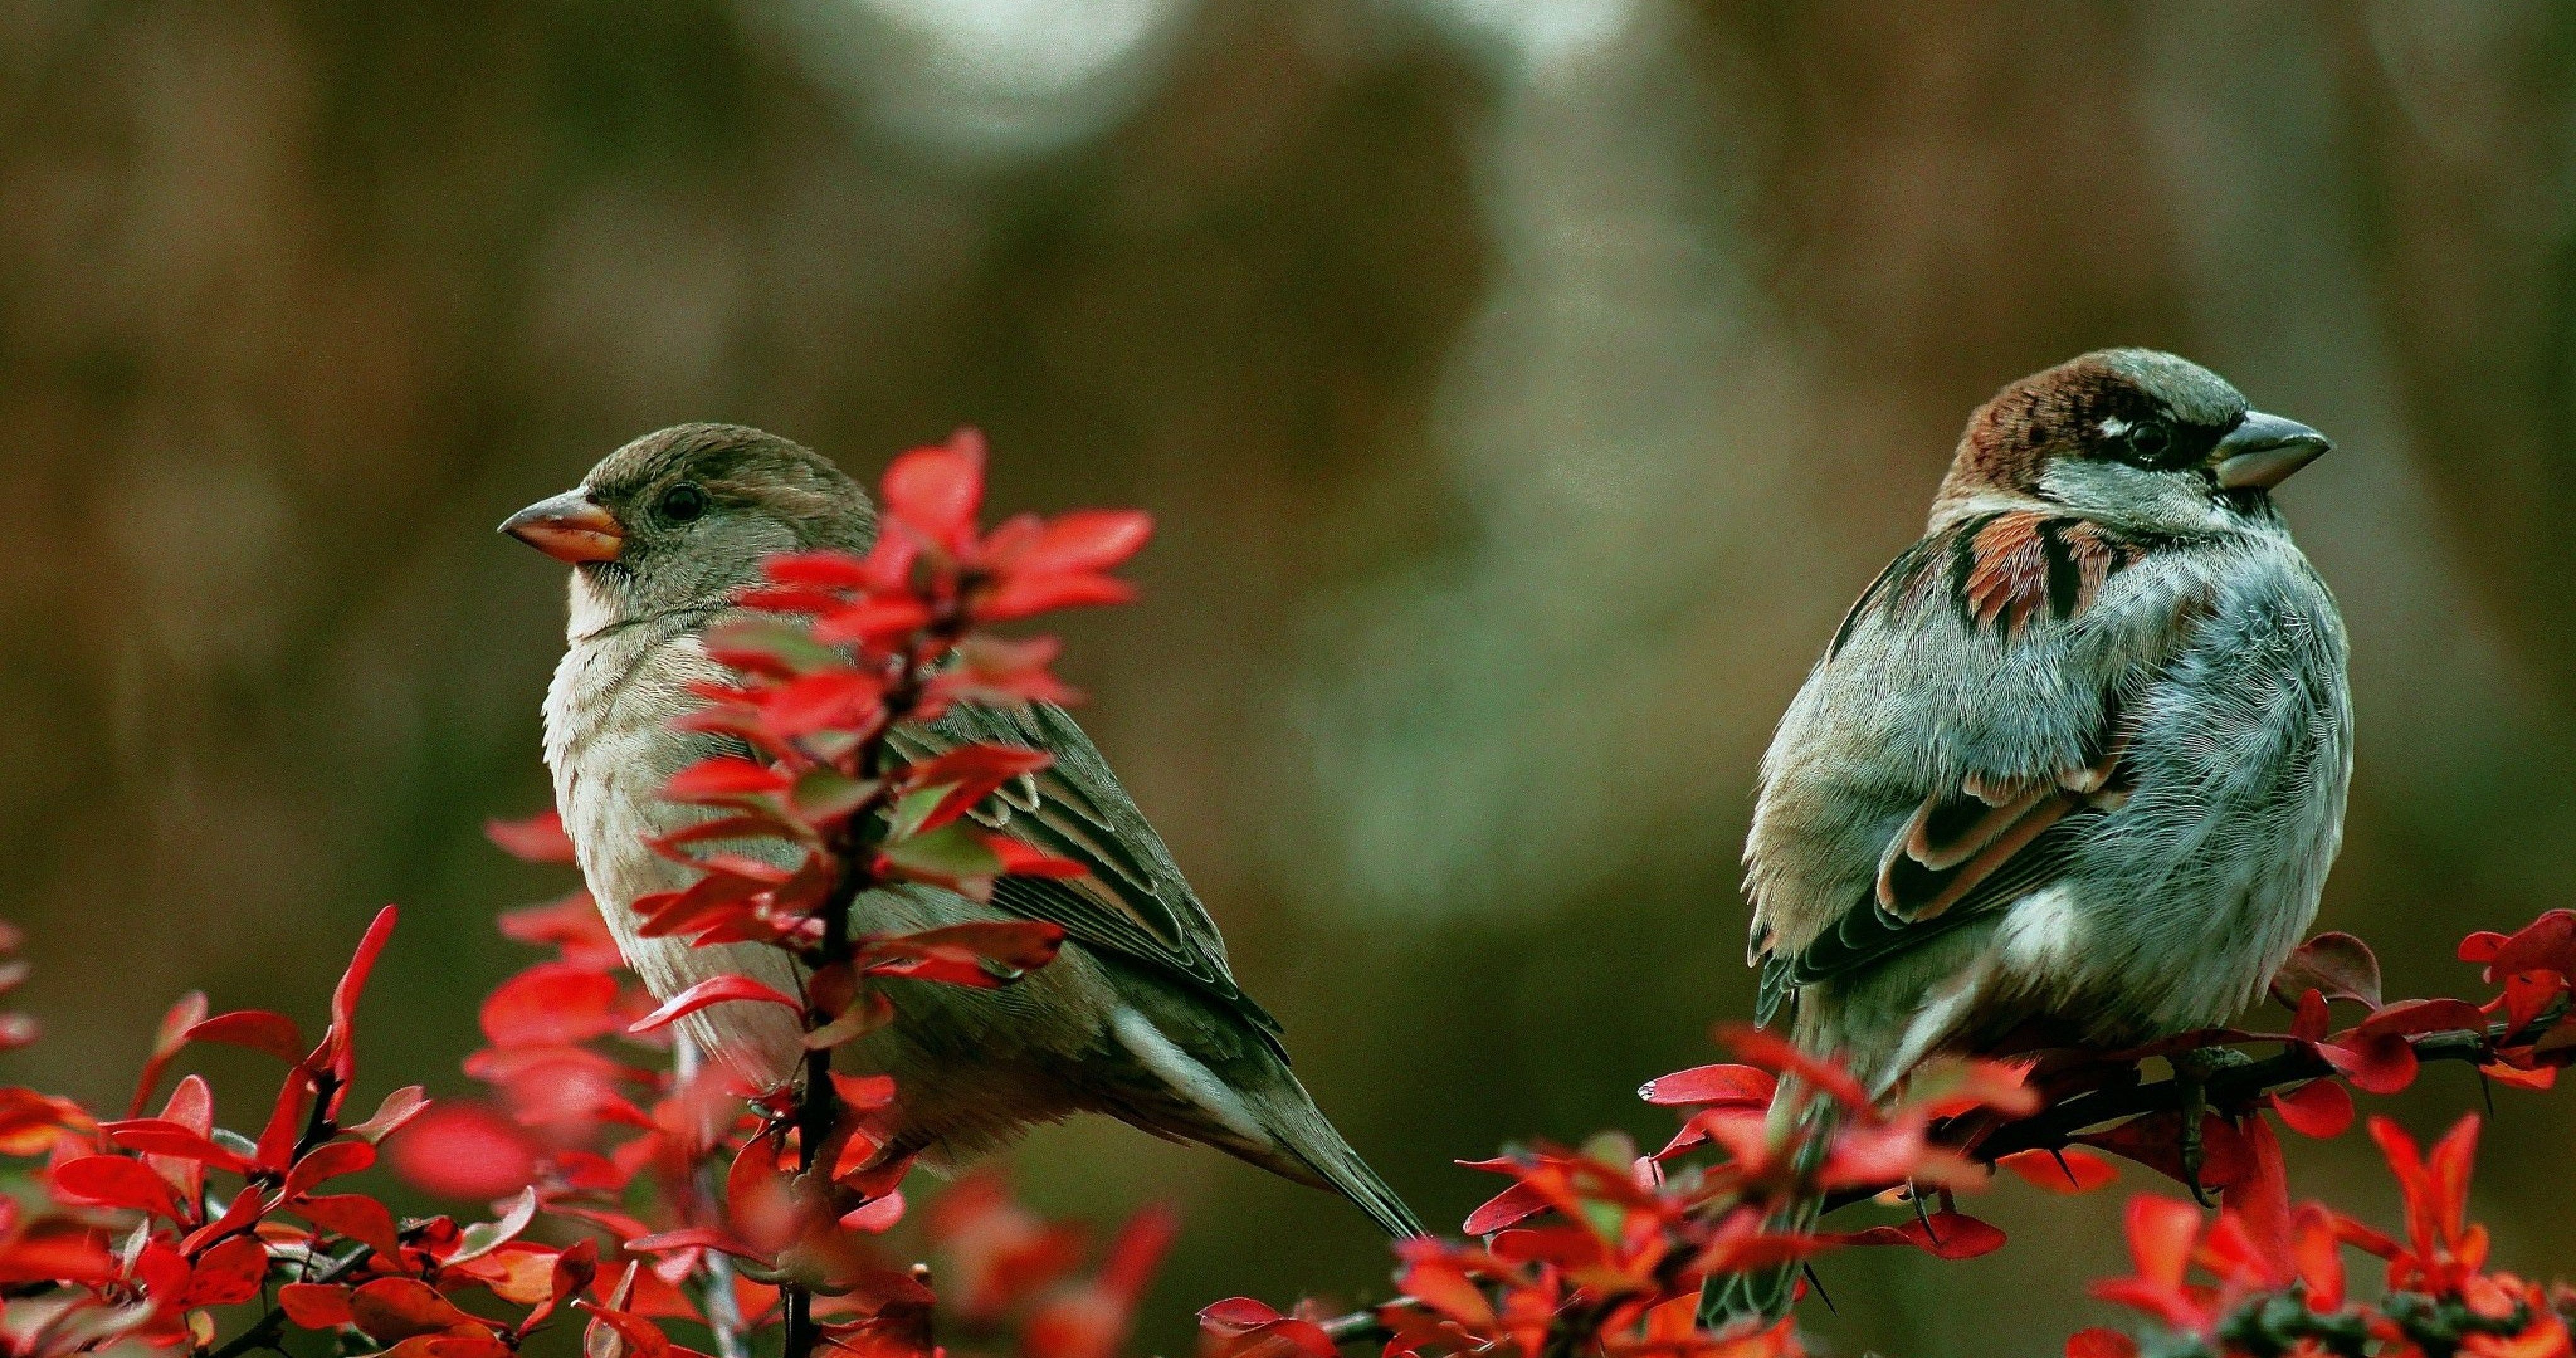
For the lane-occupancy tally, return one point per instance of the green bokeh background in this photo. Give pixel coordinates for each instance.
(1522, 388)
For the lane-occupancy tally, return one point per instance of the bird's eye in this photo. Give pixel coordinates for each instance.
(2150, 441)
(683, 503)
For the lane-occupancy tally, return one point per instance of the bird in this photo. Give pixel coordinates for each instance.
(1139, 1016)
(2071, 772)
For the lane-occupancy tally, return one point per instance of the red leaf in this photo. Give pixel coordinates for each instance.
(695, 1238)
(551, 1003)
(934, 492)
(341, 1041)
(1082, 541)
(397, 1110)
(572, 925)
(1947, 1235)
(1002, 671)
(1721, 1085)
(1021, 859)
(2319, 1108)
(1017, 945)
(329, 1160)
(824, 569)
(355, 1215)
(2384, 1066)
(723, 777)
(1510, 1207)
(257, 1029)
(114, 1181)
(2336, 964)
(2526, 993)
(157, 1136)
(2409, 1017)
(970, 773)
(2310, 1018)
(2160, 1232)
(392, 1309)
(2539, 1077)
(621, 1334)
(1438, 1280)
(2156, 1142)
(876, 620)
(315, 1306)
(537, 839)
(2073, 1170)
(875, 1217)
(176, 1024)
(2100, 1343)
(2258, 1208)
(162, 1271)
(2546, 944)
(192, 1109)
(1240, 1327)
(285, 1120)
(1026, 596)
(228, 1274)
(2481, 947)
(57, 1250)
(469, 1345)
(1774, 1052)
(824, 701)
(465, 1151)
(244, 1213)
(713, 990)
(864, 1093)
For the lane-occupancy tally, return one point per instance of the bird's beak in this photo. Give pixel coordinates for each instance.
(571, 528)
(2262, 452)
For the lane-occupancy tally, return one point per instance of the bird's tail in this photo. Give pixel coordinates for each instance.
(1313, 1144)
(1292, 1138)
(1765, 1294)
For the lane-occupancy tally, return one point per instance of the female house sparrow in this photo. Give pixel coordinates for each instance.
(1138, 1017)
(2072, 770)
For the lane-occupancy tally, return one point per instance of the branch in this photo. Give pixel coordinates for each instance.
(2056, 1126)
(263, 1332)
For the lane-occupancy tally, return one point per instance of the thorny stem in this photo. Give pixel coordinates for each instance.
(263, 1332)
(2055, 1127)
(818, 1104)
(319, 1127)
(723, 1311)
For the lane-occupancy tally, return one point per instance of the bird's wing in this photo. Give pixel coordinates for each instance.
(1132, 900)
(1986, 839)
(1964, 852)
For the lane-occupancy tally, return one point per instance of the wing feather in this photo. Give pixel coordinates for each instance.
(1133, 901)
(1989, 839)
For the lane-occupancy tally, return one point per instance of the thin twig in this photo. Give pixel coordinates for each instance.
(264, 1331)
(723, 1309)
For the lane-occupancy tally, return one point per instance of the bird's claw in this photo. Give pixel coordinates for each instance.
(2192, 1071)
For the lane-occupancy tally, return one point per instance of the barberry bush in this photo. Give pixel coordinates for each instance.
(630, 1188)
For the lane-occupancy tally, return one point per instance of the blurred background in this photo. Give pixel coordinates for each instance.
(1522, 387)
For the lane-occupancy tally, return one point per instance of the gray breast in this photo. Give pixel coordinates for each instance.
(611, 748)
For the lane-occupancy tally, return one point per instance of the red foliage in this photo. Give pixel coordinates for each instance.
(2273, 1293)
(634, 1189)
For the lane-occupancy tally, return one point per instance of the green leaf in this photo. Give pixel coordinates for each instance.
(914, 807)
(786, 644)
(865, 1015)
(821, 794)
(952, 853)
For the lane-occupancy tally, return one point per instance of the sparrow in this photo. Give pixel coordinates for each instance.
(2072, 770)
(1139, 1016)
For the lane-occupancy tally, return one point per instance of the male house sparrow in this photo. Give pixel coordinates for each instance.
(1137, 1018)
(2072, 770)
